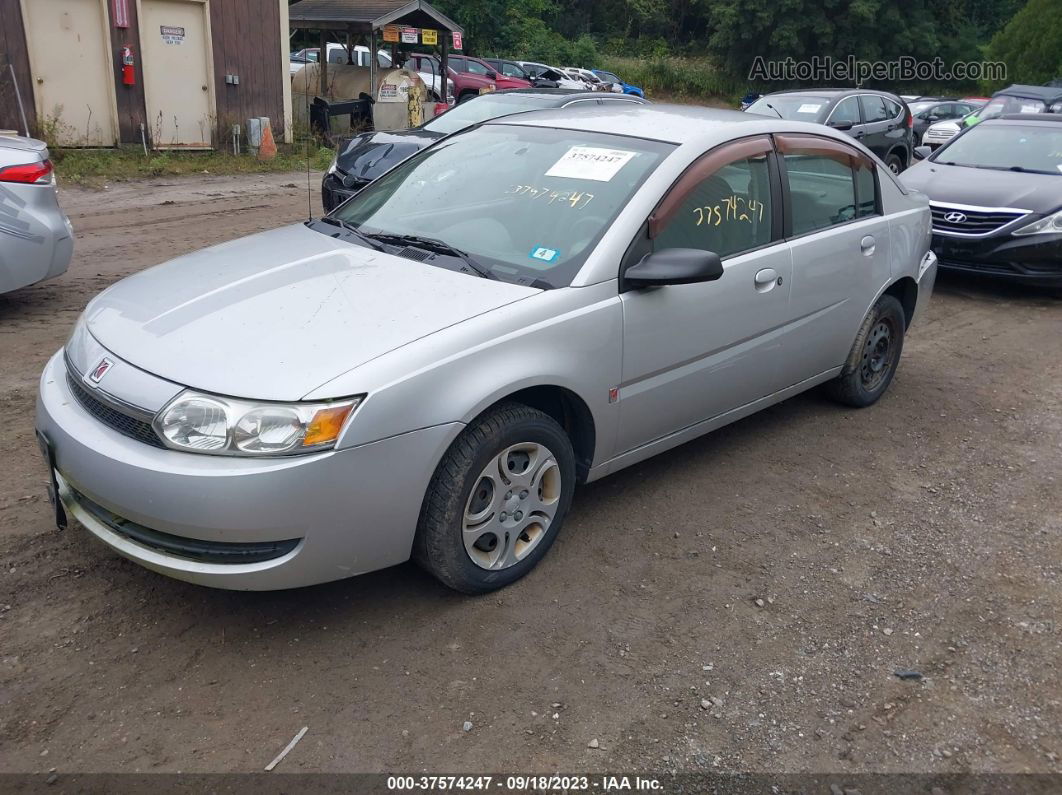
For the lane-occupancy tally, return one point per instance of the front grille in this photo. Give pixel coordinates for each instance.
(123, 423)
(187, 548)
(972, 223)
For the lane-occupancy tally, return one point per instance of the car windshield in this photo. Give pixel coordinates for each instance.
(797, 107)
(483, 108)
(1001, 105)
(1008, 147)
(527, 204)
(609, 77)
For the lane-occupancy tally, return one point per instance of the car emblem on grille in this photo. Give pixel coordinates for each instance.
(955, 218)
(101, 370)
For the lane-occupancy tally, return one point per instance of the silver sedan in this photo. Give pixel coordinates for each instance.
(36, 240)
(429, 371)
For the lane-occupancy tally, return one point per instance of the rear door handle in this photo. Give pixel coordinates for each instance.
(766, 279)
(867, 246)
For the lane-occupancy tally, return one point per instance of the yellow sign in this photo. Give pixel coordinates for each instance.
(390, 33)
(428, 36)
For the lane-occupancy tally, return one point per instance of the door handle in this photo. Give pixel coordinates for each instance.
(766, 279)
(867, 246)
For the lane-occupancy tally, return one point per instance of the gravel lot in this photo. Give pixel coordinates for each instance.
(741, 603)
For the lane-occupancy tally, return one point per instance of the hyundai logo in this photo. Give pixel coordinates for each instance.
(955, 218)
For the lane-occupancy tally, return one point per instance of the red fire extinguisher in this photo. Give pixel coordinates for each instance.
(128, 73)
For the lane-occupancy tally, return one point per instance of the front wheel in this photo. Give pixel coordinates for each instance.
(894, 162)
(875, 354)
(497, 500)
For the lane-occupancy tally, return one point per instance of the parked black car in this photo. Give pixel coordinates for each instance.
(370, 154)
(995, 193)
(930, 111)
(513, 69)
(882, 122)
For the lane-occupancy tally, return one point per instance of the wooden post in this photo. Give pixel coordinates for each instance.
(374, 62)
(444, 78)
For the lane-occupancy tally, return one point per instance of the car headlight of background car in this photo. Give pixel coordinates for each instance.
(200, 423)
(1052, 224)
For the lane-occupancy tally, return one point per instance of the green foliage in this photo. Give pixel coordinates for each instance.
(1031, 44)
(731, 33)
(99, 166)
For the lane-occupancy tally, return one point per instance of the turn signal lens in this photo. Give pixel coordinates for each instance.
(326, 424)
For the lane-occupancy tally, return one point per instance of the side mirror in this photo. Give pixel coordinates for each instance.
(675, 266)
(932, 118)
(843, 126)
(922, 152)
(492, 75)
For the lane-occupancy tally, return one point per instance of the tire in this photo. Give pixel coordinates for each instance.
(894, 162)
(875, 354)
(479, 542)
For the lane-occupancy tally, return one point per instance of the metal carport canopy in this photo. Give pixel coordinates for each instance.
(369, 16)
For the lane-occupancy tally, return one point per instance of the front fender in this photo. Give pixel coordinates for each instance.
(569, 337)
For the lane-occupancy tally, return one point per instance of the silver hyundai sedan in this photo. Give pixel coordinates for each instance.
(431, 369)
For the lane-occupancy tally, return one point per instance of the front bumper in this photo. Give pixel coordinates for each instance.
(238, 523)
(1035, 260)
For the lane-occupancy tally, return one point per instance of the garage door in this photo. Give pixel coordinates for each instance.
(175, 37)
(73, 82)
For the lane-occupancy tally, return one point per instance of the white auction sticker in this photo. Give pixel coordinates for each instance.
(808, 108)
(1030, 108)
(590, 162)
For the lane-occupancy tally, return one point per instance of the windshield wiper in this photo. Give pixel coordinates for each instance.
(364, 238)
(439, 247)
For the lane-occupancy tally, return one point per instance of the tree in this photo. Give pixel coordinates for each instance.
(1031, 43)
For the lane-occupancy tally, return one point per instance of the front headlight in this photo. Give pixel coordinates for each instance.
(1052, 224)
(200, 423)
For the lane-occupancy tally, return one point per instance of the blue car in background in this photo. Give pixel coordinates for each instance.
(610, 77)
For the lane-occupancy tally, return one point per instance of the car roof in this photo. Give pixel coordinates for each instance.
(560, 93)
(832, 92)
(1046, 93)
(670, 123)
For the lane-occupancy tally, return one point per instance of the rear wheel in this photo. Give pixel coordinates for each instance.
(874, 356)
(497, 500)
(894, 162)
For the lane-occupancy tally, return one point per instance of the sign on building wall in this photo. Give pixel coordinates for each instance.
(457, 40)
(171, 34)
(121, 13)
(428, 36)
(390, 33)
(409, 35)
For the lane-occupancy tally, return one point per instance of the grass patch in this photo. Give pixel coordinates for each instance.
(93, 167)
(680, 79)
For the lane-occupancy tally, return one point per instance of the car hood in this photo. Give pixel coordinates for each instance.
(368, 156)
(275, 315)
(982, 187)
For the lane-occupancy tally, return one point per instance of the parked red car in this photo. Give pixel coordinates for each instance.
(467, 84)
(466, 63)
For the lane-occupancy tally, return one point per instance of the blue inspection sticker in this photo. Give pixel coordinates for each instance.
(543, 254)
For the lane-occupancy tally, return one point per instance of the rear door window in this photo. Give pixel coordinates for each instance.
(874, 109)
(829, 183)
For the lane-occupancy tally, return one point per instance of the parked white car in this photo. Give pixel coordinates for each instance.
(545, 72)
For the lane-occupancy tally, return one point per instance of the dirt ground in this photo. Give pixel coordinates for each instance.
(741, 603)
